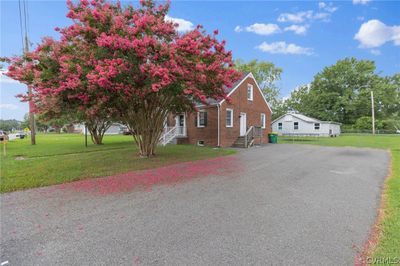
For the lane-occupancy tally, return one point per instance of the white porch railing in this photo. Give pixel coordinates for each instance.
(172, 132)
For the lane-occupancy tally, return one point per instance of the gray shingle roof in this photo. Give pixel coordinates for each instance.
(227, 90)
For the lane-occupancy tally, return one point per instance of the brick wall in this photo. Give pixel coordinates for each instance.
(208, 134)
(253, 110)
(228, 135)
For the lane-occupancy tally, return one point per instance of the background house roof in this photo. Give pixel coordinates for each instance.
(306, 119)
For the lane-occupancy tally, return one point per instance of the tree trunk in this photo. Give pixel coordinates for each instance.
(97, 128)
(147, 123)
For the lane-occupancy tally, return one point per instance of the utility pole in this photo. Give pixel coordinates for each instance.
(31, 114)
(373, 112)
(26, 50)
(85, 135)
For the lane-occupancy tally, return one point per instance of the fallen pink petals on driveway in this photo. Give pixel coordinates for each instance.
(146, 179)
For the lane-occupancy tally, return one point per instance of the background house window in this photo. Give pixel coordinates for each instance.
(316, 126)
(279, 126)
(296, 125)
(201, 120)
(249, 92)
(263, 121)
(229, 118)
(200, 143)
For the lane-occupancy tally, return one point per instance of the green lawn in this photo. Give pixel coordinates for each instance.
(389, 225)
(59, 158)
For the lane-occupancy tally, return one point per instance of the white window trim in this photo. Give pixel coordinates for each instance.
(251, 92)
(263, 121)
(281, 126)
(319, 126)
(198, 118)
(294, 126)
(231, 125)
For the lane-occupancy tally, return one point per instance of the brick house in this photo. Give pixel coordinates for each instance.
(246, 120)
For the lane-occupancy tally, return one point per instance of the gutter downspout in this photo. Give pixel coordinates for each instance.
(218, 142)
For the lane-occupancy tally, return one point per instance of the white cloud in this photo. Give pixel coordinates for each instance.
(284, 48)
(303, 16)
(298, 29)
(322, 16)
(375, 33)
(238, 29)
(263, 29)
(327, 7)
(321, 5)
(375, 52)
(361, 2)
(183, 25)
(295, 17)
(8, 106)
(310, 15)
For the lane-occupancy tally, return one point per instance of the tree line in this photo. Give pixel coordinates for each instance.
(340, 93)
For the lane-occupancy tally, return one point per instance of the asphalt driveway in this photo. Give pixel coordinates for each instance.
(272, 205)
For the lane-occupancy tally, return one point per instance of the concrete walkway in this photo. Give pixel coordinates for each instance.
(272, 205)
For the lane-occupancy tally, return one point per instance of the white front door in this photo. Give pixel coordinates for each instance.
(181, 124)
(243, 124)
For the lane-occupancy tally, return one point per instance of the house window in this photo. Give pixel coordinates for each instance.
(229, 118)
(249, 92)
(263, 121)
(201, 120)
(316, 126)
(200, 143)
(279, 126)
(296, 125)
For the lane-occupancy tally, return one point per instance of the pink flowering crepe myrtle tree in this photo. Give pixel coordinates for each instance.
(132, 64)
(56, 72)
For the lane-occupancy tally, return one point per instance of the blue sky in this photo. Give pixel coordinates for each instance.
(300, 37)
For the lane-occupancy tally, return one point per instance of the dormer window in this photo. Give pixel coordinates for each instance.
(249, 92)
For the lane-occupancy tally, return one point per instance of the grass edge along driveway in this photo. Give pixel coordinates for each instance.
(384, 242)
(61, 158)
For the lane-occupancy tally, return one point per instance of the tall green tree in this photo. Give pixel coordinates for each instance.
(266, 74)
(342, 92)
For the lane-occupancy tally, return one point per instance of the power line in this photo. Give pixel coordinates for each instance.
(20, 25)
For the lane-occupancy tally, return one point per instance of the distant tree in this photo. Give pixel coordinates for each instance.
(299, 100)
(41, 125)
(56, 123)
(280, 109)
(342, 92)
(266, 74)
(363, 123)
(10, 124)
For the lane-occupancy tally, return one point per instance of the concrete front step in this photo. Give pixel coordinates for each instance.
(239, 143)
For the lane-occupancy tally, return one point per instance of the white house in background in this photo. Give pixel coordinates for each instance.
(114, 129)
(301, 125)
